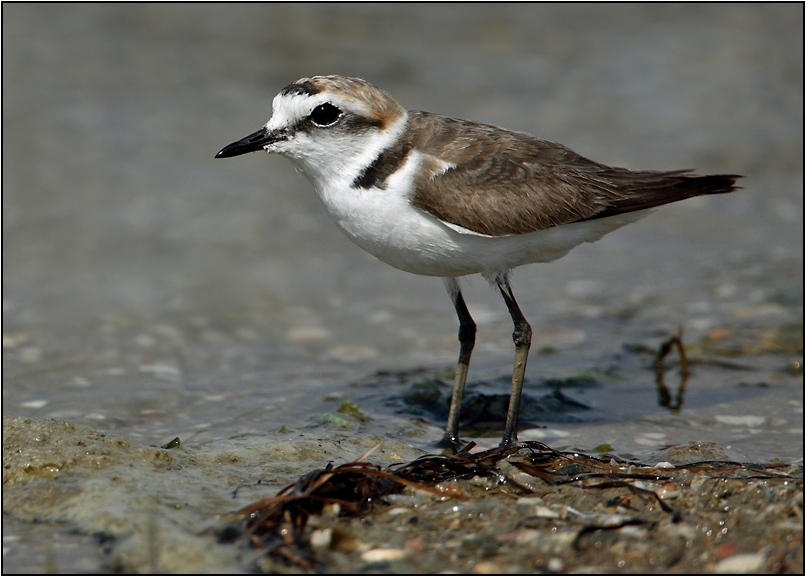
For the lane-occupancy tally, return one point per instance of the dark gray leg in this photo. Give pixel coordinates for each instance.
(467, 338)
(522, 337)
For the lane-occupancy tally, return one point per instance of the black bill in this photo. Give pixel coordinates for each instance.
(252, 143)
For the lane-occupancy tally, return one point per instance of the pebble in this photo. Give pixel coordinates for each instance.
(684, 530)
(486, 483)
(382, 555)
(398, 511)
(740, 420)
(698, 482)
(321, 538)
(747, 563)
(542, 434)
(527, 536)
(35, 404)
(530, 501)
(546, 513)
(486, 568)
(331, 510)
(634, 532)
(163, 371)
(520, 477)
(668, 490)
(649, 439)
(405, 499)
(11, 340)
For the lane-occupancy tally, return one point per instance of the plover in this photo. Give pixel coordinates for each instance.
(446, 197)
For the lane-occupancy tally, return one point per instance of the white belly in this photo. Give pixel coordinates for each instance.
(386, 225)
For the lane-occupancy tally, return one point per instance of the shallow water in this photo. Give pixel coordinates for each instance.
(152, 291)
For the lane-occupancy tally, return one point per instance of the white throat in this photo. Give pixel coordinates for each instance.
(337, 164)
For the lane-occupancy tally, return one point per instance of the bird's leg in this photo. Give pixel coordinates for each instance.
(467, 338)
(522, 337)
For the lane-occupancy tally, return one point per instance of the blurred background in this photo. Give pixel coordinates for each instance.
(152, 290)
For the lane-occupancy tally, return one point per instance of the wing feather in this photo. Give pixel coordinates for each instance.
(502, 182)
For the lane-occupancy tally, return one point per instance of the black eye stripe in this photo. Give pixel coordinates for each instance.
(325, 114)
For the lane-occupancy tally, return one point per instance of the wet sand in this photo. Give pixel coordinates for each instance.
(150, 291)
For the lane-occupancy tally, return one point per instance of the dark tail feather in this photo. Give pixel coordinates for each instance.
(642, 190)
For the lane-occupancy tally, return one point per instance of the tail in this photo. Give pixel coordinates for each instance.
(638, 190)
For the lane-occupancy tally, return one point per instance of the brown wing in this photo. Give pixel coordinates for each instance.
(503, 182)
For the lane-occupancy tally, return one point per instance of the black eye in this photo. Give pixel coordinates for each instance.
(325, 114)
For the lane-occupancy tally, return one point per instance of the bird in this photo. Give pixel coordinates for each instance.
(446, 197)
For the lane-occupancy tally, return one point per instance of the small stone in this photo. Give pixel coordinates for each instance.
(11, 340)
(163, 371)
(486, 483)
(698, 482)
(684, 530)
(383, 555)
(650, 439)
(634, 532)
(35, 404)
(331, 510)
(668, 490)
(530, 501)
(398, 511)
(321, 538)
(486, 568)
(546, 513)
(740, 420)
(747, 563)
(527, 536)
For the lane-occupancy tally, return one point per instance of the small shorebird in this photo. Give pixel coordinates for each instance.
(447, 197)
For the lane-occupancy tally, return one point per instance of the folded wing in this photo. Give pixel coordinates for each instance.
(501, 182)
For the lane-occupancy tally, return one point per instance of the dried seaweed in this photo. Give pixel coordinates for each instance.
(278, 524)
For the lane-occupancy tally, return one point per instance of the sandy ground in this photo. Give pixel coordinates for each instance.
(152, 292)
